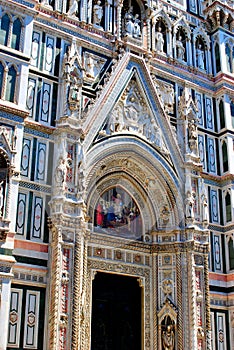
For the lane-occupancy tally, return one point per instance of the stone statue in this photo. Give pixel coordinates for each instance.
(180, 50)
(97, 13)
(168, 338)
(136, 27)
(192, 134)
(159, 40)
(73, 8)
(200, 57)
(129, 22)
(205, 210)
(189, 202)
(61, 171)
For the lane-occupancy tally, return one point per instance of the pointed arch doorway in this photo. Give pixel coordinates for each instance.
(116, 313)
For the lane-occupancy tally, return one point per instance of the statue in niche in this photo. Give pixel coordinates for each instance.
(205, 210)
(75, 89)
(192, 135)
(200, 57)
(129, 22)
(189, 203)
(180, 50)
(168, 337)
(61, 171)
(97, 14)
(73, 8)
(159, 40)
(136, 28)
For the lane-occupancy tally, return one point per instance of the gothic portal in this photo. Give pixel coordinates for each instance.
(116, 175)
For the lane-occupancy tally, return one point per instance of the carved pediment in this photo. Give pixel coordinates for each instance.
(182, 23)
(132, 114)
(168, 309)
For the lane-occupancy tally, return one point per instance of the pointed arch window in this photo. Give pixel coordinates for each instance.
(231, 253)
(225, 156)
(10, 87)
(221, 115)
(4, 33)
(217, 58)
(228, 58)
(232, 112)
(16, 33)
(1, 78)
(228, 207)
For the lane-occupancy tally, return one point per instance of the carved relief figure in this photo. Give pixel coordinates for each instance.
(97, 13)
(159, 40)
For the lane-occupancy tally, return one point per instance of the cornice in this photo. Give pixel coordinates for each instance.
(12, 108)
(26, 6)
(221, 181)
(31, 124)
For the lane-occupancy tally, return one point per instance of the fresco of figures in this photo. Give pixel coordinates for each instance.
(117, 213)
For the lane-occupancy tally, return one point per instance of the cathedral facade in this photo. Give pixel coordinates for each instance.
(117, 174)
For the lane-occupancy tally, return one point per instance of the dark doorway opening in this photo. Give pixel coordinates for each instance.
(116, 313)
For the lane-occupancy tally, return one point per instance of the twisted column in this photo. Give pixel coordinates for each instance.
(207, 303)
(179, 302)
(54, 287)
(77, 293)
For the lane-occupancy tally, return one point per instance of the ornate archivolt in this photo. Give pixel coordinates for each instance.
(151, 187)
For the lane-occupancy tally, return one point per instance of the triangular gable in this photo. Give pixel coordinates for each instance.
(132, 114)
(182, 23)
(161, 14)
(130, 75)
